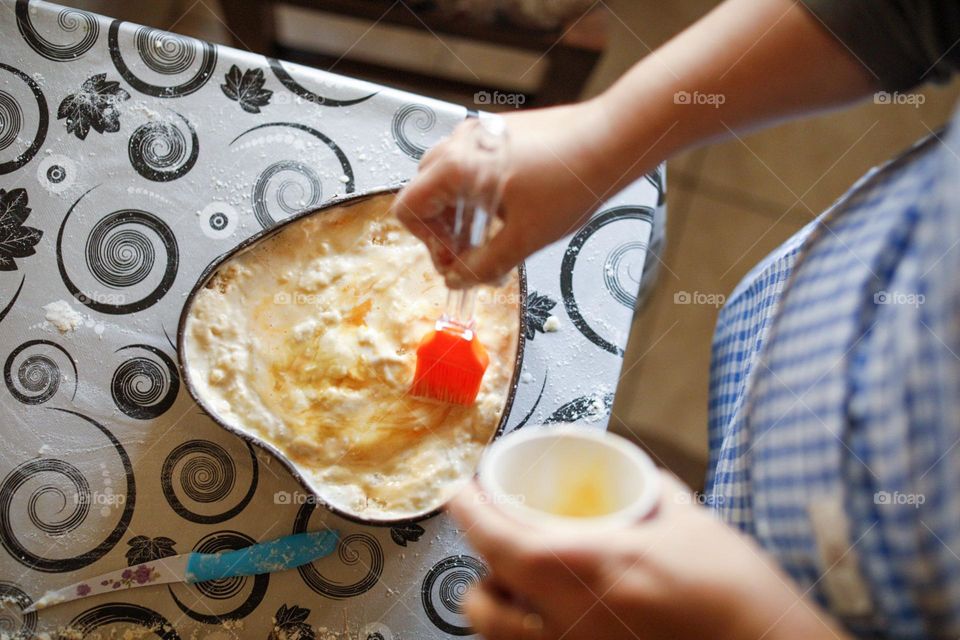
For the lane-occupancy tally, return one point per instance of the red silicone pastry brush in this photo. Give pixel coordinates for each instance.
(451, 360)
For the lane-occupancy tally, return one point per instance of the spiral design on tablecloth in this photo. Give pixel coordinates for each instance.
(444, 589)
(285, 180)
(613, 281)
(292, 85)
(294, 187)
(80, 490)
(421, 117)
(356, 549)
(143, 388)
(159, 151)
(13, 120)
(16, 626)
(69, 21)
(209, 475)
(227, 588)
(76, 507)
(164, 54)
(13, 300)
(120, 255)
(111, 613)
(38, 375)
(621, 276)
(205, 473)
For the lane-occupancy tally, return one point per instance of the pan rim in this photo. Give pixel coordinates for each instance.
(316, 499)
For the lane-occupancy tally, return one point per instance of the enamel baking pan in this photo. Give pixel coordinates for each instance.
(317, 491)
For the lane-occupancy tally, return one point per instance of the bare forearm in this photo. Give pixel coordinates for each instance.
(747, 64)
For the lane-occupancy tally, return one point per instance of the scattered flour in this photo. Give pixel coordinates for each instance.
(61, 315)
(552, 325)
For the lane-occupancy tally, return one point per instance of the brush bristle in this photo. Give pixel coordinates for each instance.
(450, 368)
(447, 383)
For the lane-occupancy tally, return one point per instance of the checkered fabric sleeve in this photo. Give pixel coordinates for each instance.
(836, 379)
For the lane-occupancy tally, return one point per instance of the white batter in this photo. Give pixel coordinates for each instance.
(308, 341)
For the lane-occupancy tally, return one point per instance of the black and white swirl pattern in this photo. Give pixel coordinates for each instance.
(419, 117)
(360, 565)
(15, 150)
(622, 271)
(287, 187)
(14, 624)
(165, 150)
(34, 371)
(55, 497)
(305, 94)
(218, 220)
(617, 273)
(145, 387)
(11, 119)
(162, 57)
(121, 256)
(444, 590)
(57, 173)
(290, 186)
(227, 598)
(164, 52)
(69, 21)
(89, 623)
(204, 474)
(13, 299)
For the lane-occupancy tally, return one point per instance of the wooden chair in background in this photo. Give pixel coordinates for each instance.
(570, 52)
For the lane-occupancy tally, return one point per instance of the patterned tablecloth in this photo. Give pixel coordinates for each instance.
(129, 160)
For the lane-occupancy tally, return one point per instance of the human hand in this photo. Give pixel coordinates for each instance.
(679, 574)
(552, 180)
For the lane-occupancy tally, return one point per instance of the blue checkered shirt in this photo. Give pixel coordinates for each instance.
(836, 380)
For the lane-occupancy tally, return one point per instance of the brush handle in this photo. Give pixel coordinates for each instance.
(476, 206)
(266, 557)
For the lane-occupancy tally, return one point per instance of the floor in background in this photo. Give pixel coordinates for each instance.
(729, 204)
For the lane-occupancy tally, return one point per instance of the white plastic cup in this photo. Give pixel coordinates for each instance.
(570, 477)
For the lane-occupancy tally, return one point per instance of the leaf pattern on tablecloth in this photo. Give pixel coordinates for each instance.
(143, 549)
(290, 623)
(16, 239)
(128, 245)
(539, 307)
(246, 88)
(585, 408)
(95, 105)
(403, 533)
